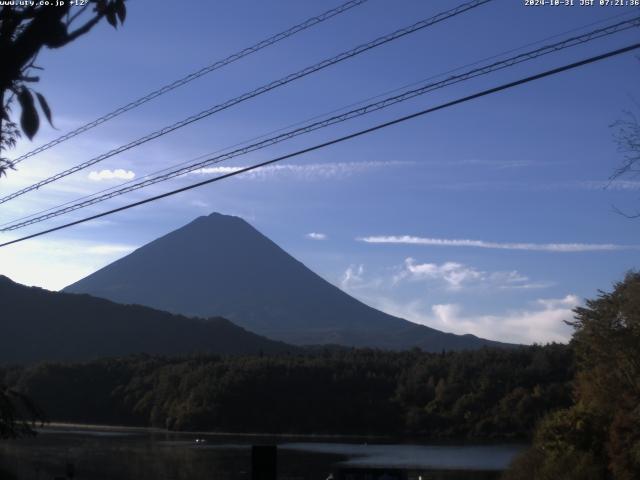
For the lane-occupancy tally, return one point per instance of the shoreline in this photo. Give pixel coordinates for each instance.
(133, 429)
(52, 427)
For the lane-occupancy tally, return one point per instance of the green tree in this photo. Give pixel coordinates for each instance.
(599, 436)
(24, 32)
(607, 345)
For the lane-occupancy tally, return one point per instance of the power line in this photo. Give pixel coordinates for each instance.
(310, 22)
(483, 70)
(315, 117)
(380, 126)
(263, 89)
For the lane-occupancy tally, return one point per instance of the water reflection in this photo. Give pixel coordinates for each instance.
(470, 457)
(152, 455)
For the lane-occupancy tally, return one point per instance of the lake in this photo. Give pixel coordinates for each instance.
(144, 454)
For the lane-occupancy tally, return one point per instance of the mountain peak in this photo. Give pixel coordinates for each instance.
(217, 219)
(220, 265)
(217, 216)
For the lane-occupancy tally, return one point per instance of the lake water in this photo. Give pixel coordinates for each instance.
(130, 454)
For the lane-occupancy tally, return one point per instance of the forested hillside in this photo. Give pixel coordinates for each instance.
(489, 393)
(39, 325)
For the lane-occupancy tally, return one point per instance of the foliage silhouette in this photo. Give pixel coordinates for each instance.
(24, 31)
(598, 437)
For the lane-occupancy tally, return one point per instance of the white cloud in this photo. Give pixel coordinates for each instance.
(541, 322)
(117, 174)
(569, 301)
(316, 236)
(452, 273)
(542, 247)
(305, 171)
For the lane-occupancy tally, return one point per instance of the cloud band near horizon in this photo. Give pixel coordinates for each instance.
(454, 242)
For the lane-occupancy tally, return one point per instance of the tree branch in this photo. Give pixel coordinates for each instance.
(73, 17)
(86, 28)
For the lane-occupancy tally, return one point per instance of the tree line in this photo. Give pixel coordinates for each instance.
(579, 404)
(487, 393)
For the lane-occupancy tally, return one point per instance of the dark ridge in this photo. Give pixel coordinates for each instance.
(38, 325)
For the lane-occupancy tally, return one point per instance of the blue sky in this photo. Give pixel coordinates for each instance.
(521, 172)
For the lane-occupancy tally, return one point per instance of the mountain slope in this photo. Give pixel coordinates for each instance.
(37, 325)
(221, 265)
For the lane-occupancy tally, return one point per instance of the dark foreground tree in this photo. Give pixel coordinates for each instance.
(18, 415)
(599, 436)
(24, 32)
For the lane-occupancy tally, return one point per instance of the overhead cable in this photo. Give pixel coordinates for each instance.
(372, 107)
(359, 133)
(258, 91)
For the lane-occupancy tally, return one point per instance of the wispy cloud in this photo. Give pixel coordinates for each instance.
(623, 185)
(316, 236)
(499, 164)
(306, 171)
(451, 276)
(540, 247)
(117, 174)
(98, 223)
(200, 204)
(541, 186)
(352, 276)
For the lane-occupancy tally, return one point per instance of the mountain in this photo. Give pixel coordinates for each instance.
(221, 265)
(38, 325)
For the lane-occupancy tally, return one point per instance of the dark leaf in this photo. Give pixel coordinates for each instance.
(57, 35)
(45, 107)
(5, 164)
(101, 6)
(29, 120)
(111, 18)
(121, 10)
